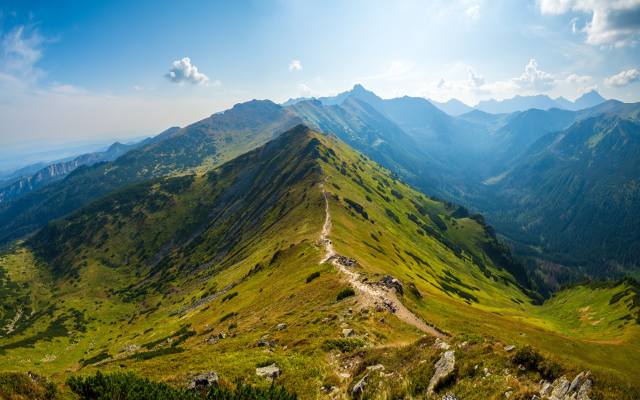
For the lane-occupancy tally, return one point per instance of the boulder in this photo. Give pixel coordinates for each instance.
(269, 372)
(560, 388)
(392, 283)
(444, 368)
(441, 344)
(348, 332)
(203, 380)
(358, 388)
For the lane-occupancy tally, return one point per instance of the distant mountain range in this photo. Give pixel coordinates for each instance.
(456, 108)
(334, 247)
(471, 159)
(541, 102)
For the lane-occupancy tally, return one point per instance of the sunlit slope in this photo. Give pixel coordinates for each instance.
(148, 278)
(198, 147)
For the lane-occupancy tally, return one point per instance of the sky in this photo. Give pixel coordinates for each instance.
(90, 70)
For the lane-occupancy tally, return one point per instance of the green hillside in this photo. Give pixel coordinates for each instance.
(576, 193)
(223, 270)
(197, 147)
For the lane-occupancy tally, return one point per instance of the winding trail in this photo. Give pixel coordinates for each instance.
(371, 294)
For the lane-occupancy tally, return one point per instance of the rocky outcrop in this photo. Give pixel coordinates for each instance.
(203, 380)
(392, 283)
(444, 368)
(358, 388)
(562, 389)
(269, 372)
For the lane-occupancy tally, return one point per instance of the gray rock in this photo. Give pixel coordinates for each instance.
(269, 372)
(545, 389)
(509, 348)
(449, 396)
(377, 367)
(348, 332)
(444, 367)
(392, 283)
(204, 380)
(358, 388)
(441, 344)
(583, 392)
(281, 326)
(560, 388)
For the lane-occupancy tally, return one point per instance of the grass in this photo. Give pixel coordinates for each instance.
(155, 318)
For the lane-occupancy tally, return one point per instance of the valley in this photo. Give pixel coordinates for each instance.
(302, 253)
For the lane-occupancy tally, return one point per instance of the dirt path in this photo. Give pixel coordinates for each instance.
(370, 294)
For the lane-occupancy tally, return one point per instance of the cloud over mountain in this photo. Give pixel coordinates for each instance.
(623, 78)
(183, 71)
(613, 22)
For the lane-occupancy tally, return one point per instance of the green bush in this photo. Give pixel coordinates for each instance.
(344, 345)
(313, 276)
(18, 385)
(528, 357)
(344, 293)
(127, 386)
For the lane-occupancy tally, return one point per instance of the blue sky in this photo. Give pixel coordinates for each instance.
(87, 70)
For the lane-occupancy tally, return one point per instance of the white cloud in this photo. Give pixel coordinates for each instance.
(295, 65)
(20, 50)
(183, 71)
(304, 90)
(534, 78)
(613, 22)
(579, 79)
(473, 11)
(623, 78)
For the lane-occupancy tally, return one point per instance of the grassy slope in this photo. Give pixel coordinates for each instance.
(255, 223)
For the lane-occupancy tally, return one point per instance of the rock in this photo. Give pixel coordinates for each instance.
(347, 332)
(583, 392)
(281, 326)
(508, 394)
(222, 335)
(577, 381)
(545, 388)
(264, 343)
(441, 344)
(509, 348)
(346, 261)
(388, 304)
(560, 388)
(204, 380)
(358, 388)
(449, 396)
(392, 283)
(377, 367)
(269, 372)
(131, 348)
(212, 340)
(444, 367)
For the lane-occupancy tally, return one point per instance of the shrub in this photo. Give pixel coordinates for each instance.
(528, 357)
(550, 370)
(127, 386)
(313, 276)
(228, 315)
(229, 296)
(18, 385)
(344, 293)
(344, 345)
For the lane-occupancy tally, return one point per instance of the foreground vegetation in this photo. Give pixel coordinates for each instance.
(220, 271)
